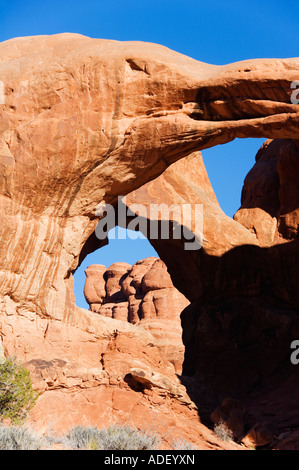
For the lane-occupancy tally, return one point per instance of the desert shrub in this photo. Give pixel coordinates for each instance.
(112, 438)
(17, 396)
(19, 438)
(182, 444)
(80, 437)
(127, 438)
(223, 432)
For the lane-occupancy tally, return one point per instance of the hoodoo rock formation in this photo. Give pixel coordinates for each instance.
(84, 121)
(142, 294)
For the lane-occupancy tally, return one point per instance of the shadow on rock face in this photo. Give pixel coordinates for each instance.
(237, 336)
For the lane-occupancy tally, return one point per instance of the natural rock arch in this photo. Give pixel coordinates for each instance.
(86, 120)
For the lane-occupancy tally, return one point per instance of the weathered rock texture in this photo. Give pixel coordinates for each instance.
(270, 197)
(238, 340)
(186, 183)
(144, 295)
(87, 120)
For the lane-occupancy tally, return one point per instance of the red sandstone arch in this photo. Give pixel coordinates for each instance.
(86, 120)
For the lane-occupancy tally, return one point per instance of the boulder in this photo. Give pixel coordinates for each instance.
(95, 284)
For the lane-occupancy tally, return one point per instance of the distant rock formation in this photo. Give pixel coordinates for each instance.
(270, 196)
(141, 294)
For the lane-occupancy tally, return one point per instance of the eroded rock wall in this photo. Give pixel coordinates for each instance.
(238, 337)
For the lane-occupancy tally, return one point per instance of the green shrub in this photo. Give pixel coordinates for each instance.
(112, 438)
(17, 396)
(19, 438)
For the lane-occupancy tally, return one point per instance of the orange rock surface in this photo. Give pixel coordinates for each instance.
(85, 121)
(144, 295)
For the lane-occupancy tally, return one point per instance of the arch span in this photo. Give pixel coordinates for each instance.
(95, 119)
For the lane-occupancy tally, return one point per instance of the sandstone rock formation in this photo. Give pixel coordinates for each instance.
(184, 186)
(270, 197)
(142, 294)
(87, 120)
(238, 343)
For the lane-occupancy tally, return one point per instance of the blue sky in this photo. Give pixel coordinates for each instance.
(213, 31)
